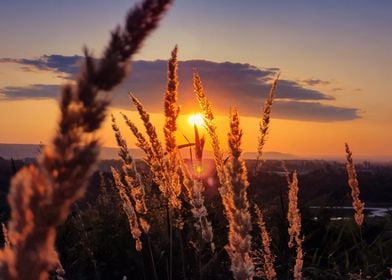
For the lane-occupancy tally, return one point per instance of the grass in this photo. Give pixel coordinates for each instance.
(247, 259)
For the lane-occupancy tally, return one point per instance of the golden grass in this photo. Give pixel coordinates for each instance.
(163, 161)
(234, 182)
(267, 258)
(128, 209)
(264, 125)
(358, 205)
(294, 230)
(133, 179)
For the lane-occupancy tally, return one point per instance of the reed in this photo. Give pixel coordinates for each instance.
(172, 111)
(141, 142)
(234, 182)
(240, 224)
(128, 209)
(358, 205)
(40, 196)
(133, 179)
(194, 187)
(210, 126)
(264, 125)
(294, 229)
(267, 258)
(163, 161)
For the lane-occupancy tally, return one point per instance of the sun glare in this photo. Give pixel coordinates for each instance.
(196, 119)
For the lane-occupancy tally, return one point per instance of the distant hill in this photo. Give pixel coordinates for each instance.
(271, 155)
(21, 151)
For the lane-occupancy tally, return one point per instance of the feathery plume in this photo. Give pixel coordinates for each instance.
(150, 128)
(132, 177)
(358, 205)
(233, 187)
(128, 208)
(240, 224)
(169, 185)
(171, 113)
(195, 192)
(294, 220)
(142, 142)
(211, 129)
(40, 196)
(264, 124)
(171, 108)
(269, 272)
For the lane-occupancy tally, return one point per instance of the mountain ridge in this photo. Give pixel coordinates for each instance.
(21, 151)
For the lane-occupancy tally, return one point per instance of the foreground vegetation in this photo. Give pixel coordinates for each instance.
(90, 247)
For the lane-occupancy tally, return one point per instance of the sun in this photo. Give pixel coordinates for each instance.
(196, 119)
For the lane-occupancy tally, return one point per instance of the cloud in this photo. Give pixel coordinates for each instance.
(226, 84)
(337, 89)
(315, 82)
(37, 91)
(55, 62)
(319, 112)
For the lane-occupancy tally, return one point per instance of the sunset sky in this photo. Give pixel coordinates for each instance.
(334, 56)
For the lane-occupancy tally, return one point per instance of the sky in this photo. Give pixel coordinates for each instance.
(334, 58)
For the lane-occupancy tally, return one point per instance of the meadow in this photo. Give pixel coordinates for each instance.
(155, 218)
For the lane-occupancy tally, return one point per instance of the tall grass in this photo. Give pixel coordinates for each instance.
(234, 182)
(264, 125)
(267, 258)
(358, 205)
(294, 229)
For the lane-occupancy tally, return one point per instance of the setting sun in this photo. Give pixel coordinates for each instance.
(196, 119)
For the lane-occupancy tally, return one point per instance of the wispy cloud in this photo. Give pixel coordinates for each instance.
(314, 111)
(315, 82)
(58, 63)
(37, 91)
(227, 84)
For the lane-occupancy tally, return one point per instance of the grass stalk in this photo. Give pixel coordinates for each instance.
(264, 125)
(40, 196)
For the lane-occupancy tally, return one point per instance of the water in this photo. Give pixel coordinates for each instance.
(369, 211)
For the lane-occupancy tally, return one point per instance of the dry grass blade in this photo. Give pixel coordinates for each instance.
(128, 209)
(294, 230)
(195, 191)
(164, 165)
(358, 205)
(264, 124)
(268, 258)
(142, 142)
(211, 129)
(40, 196)
(132, 177)
(149, 127)
(171, 108)
(240, 225)
(160, 165)
(233, 182)
(171, 113)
